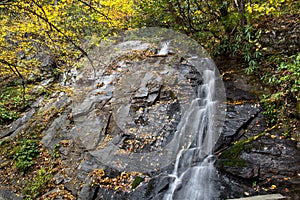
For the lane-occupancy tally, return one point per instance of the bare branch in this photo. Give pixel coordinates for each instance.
(15, 70)
(94, 9)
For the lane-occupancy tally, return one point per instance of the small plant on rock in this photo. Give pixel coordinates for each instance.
(24, 154)
(38, 185)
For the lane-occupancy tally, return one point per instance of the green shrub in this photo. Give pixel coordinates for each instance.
(245, 44)
(7, 115)
(38, 185)
(24, 154)
(12, 102)
(285, 95)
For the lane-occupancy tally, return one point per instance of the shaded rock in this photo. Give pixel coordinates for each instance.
(88, 191)
(264, 197)
(239, 117)
(8, 195)
(283, 37)
(233, 187)
(154, 189)
(277, 158)
(235, 93)
(246, 171)
(104, 194)
(268, 160)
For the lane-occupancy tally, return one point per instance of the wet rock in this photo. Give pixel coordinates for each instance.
(277, 158)
(267, 160)
(233, 92)
(238, 117)
(134, 103)
(246, 171)
(232, 187)
(263, 197)
(132, 106)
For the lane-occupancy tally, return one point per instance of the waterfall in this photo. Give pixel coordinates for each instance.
(194, 171)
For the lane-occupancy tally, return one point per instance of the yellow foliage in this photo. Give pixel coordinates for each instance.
(265, 7)
(31, 26)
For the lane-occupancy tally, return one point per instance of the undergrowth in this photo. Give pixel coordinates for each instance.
(38, 185)
(284, 98)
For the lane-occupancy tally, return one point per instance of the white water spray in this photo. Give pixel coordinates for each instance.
(194, 170)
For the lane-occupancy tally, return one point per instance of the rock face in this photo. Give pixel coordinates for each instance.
(134, 105)
(129, 110)
(261, 161)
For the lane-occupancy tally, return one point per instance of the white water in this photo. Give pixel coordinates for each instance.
(194, 170)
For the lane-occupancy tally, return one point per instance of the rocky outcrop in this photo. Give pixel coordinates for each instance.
(126, 116)
(130, 100)
(253, 158)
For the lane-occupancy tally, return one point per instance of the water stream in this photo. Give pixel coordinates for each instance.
(194, 170)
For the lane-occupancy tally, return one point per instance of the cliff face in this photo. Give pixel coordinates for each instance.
(111, 132)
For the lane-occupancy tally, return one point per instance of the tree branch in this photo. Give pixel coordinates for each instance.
(93, 8)
(15, 70)
(53, 27)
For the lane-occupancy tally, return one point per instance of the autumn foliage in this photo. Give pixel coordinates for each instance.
(31, 29)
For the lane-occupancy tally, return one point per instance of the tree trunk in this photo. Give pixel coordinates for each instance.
(242, 13)
(240, 4)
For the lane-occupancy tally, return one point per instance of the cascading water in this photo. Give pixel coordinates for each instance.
(194, 170)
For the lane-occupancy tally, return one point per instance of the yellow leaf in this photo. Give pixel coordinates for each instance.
(273, 187)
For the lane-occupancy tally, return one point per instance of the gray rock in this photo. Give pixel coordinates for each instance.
(129, 101)
(17, 125)
(57, 131)
(154, 189)
(88, 191)
(58, 178)
(8, 195)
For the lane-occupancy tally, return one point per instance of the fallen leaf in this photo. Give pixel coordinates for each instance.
(273, 187)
